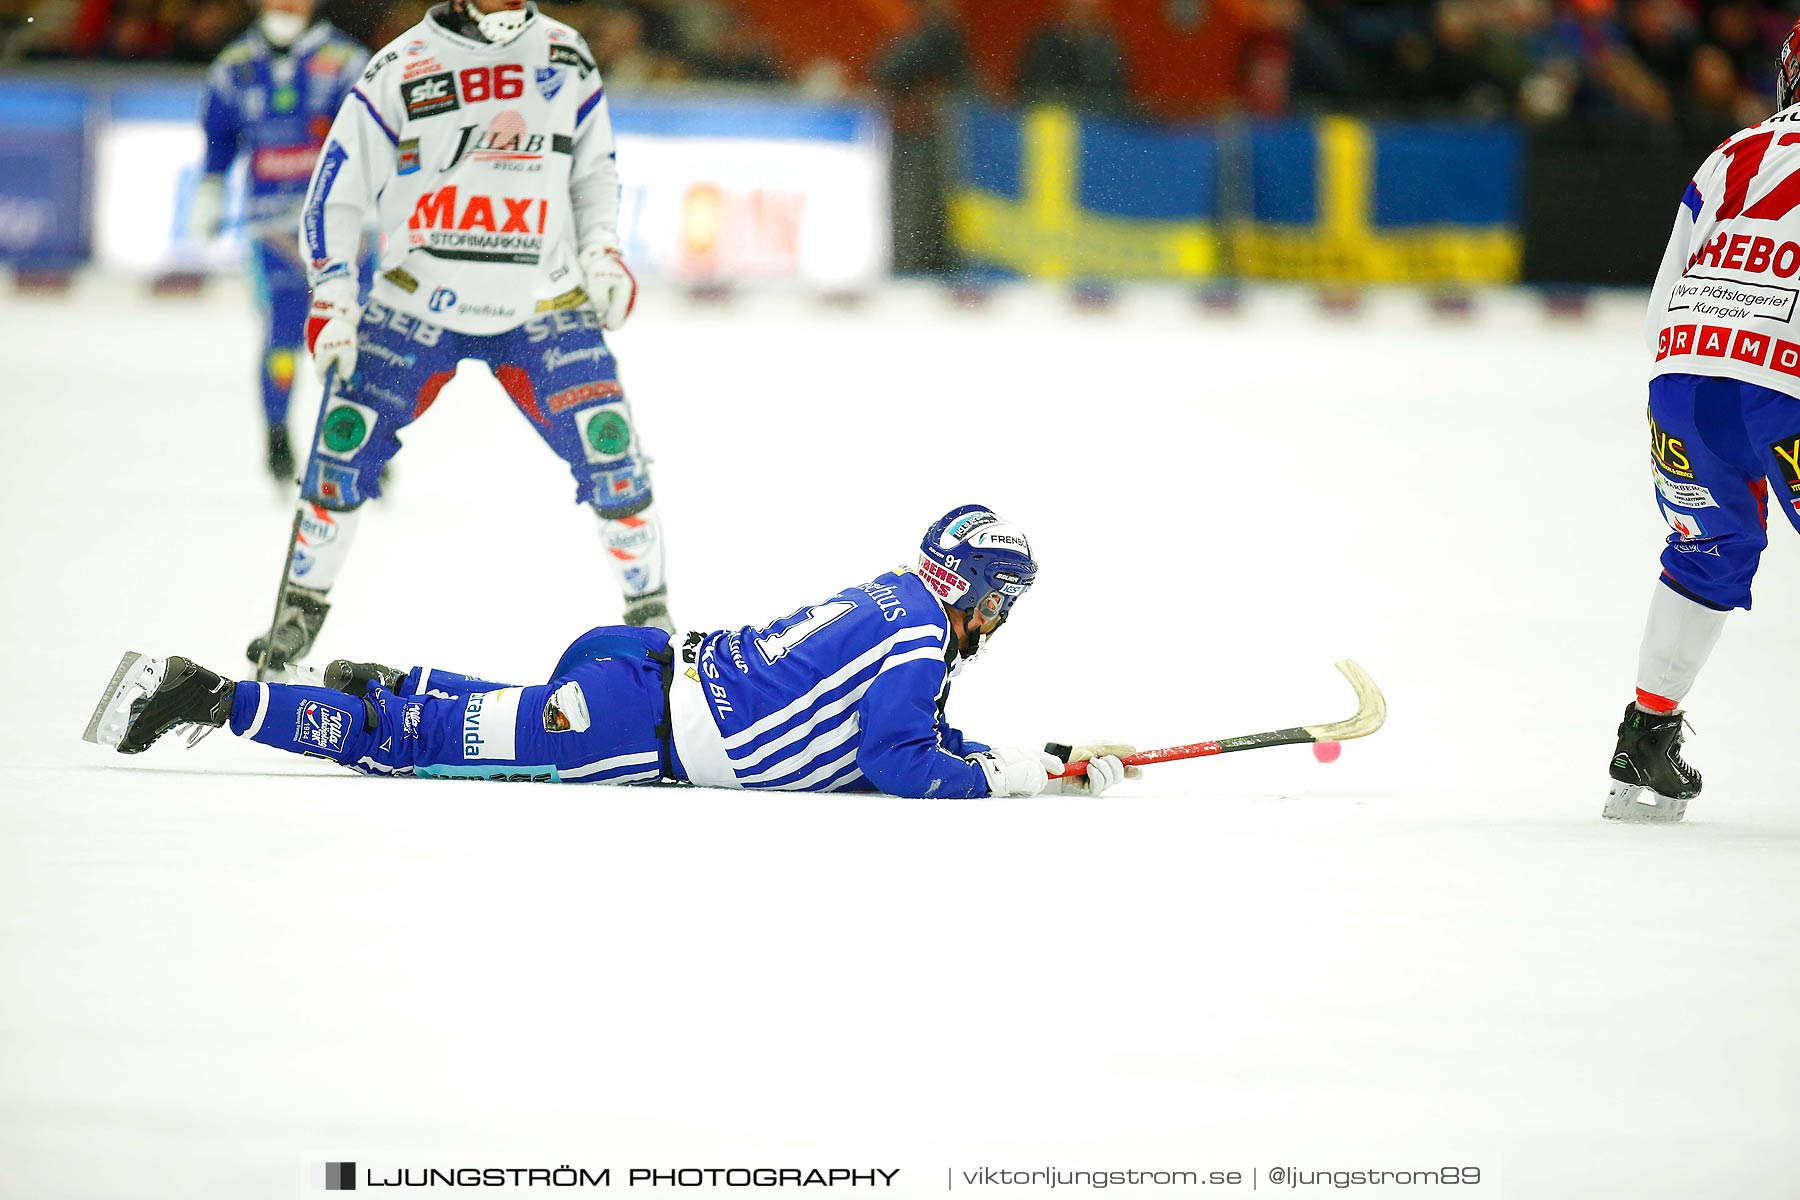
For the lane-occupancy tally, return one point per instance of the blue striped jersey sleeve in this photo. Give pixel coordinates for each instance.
(905, 751)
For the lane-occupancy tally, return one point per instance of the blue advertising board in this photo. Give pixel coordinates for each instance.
(43, 175)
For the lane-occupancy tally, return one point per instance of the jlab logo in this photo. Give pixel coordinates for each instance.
(507, 137)
(442, 298)
(340, 1177)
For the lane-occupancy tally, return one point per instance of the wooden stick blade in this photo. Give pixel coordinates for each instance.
(1371, 708)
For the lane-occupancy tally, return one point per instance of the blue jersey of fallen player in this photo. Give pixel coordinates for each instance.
(847, 695)
(274, 107)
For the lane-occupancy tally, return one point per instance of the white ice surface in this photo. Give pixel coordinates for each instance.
(218, 966)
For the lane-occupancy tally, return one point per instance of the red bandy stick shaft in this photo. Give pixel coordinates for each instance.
(1144, 758)
(1371, 714)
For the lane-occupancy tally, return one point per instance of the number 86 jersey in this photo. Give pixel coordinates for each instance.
(492, 167)
(846, 695)
(1725, 297)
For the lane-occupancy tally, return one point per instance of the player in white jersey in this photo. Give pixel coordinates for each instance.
(1724, 427)
(482, 140)
(845, 695)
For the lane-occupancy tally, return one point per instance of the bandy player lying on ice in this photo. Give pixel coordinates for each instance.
(1724, 427)
(482, 139)
(847, 695)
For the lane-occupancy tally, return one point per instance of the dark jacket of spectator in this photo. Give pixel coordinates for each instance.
(1077, 62)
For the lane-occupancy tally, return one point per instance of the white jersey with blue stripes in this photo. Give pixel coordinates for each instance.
(490, 167)
(845, 695)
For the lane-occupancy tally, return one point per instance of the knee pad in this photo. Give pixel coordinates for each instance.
(334, 485)
(618, 473)
(322, 545)
(343, 470)
(634, 549)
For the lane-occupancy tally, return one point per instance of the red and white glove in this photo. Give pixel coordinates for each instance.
(1104, 770)
(331, 327)
(610, 284)
(1011, 771)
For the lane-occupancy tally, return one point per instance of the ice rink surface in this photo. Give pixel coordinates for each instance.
(222, 965)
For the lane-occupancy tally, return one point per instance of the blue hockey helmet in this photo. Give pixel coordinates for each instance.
(972, 559)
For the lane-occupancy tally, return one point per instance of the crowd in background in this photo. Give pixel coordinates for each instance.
(639, 41)
(1699, 64)
(1703, 64)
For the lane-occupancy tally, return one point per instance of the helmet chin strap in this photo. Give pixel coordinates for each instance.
(498, 27)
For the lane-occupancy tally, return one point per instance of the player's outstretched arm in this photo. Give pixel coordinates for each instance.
(220, 123)
(356, 163)
(900, 750)
(594, 200)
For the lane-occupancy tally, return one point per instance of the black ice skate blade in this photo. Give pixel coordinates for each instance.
(109, 698)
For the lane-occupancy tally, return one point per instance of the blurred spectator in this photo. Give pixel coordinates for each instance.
(1272, 36)
(206, 29)
(617, 40)
(1732, 27)
(661, 21)
(1717, 104)
(1661, 34)
(135, 30)
(917, 74)
(1460, 63)
(1075, 61)
(736, 53)
(51, 31)
(1327, 67)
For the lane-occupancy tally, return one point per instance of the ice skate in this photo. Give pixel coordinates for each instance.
(147, 697)
(651, 610)
(302, 615)
(1651, 782)
(354, 678)
(281, 455)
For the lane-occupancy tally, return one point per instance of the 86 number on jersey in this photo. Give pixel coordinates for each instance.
(504, 82)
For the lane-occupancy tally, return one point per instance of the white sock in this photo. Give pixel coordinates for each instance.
(325, 538)
(634, 547)
(1678, 638)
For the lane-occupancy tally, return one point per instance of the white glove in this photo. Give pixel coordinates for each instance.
(331, 327)
(1104, 771)
(206, 214)
(1014, 772)
(610, 284)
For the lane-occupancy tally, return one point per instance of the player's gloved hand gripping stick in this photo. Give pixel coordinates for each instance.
(331, 327)
(1371, 714)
